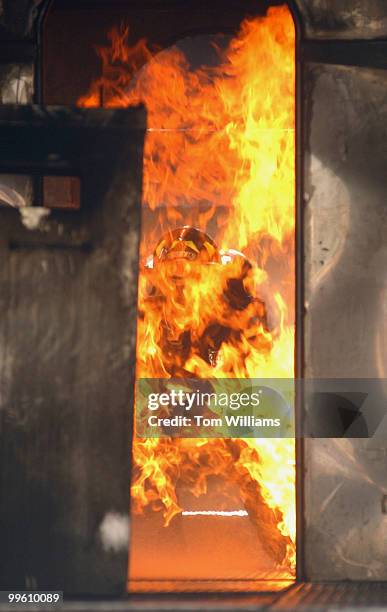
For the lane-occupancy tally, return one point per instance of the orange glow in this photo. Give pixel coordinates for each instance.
(219, 154)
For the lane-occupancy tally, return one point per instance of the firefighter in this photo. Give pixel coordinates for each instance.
(187, 255)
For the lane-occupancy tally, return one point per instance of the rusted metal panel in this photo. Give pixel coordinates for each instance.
(67, 340)
(61, 192)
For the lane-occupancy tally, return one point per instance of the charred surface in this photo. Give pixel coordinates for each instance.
(67, 338)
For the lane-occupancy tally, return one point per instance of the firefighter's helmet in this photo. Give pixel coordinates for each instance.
(186, 244)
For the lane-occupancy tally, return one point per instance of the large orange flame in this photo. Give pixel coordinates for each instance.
(219, 154)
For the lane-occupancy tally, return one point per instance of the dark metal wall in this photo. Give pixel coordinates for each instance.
(343, 203)
(18, 18)
(19, 26)
(345, 19)
(345, 118)
(68, 302)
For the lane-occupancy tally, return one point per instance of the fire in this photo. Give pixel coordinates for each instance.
(219, 156)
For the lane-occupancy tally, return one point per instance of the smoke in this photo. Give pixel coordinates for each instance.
(114, 532)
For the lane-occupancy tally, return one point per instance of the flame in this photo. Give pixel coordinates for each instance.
(219, 154)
